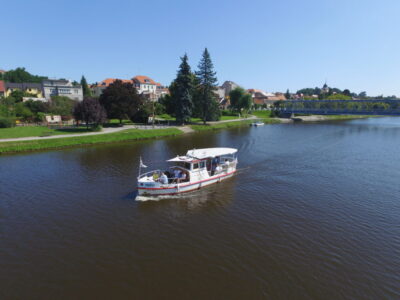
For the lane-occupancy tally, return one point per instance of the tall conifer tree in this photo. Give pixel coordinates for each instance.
(206, 98)
(183, 92)
(85, 87)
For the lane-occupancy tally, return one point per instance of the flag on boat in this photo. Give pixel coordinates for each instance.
(141, 164)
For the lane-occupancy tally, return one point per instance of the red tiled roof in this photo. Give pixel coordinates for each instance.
(2, 71)
(108, 81)
(144, 80)
(2, 86)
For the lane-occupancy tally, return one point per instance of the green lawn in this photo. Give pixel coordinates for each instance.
(346, 117)
(125, 135)
(27, 131)
(167, 117)
(116, 121)
(221, 125)
(225, 118)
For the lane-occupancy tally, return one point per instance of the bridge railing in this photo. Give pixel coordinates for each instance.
(380, 107)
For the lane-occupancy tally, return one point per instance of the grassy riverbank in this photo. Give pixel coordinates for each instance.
(28, 131)
(125, 135)
(347, 117)
(230, 124)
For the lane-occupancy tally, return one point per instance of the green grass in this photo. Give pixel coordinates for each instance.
(346, 117)
(221, 125)
(116, 122)
(166, 117)
(125, 135)
(225, 118)
(27, 131)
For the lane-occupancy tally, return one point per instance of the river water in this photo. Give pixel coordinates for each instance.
(313, 213)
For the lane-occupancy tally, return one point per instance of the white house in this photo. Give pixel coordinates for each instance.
(61, 87)
(144, 84)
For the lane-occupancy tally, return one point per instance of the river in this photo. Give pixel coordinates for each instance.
(313, 213)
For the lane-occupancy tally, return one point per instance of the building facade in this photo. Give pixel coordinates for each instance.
(2, 88)
(34, 89)
(261, 97)
(62, 87)
(144, 84)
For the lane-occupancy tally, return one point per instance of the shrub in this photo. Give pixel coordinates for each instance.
(97, 128)
(7, 122)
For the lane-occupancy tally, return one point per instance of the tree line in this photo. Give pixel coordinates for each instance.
(192, 94)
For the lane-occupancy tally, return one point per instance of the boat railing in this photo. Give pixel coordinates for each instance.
(151, 173)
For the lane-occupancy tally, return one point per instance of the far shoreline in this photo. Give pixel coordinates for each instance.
(129, 135)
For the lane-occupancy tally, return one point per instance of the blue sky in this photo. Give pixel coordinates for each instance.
(271, 45)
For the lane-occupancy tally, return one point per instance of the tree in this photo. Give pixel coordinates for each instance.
(240, 100)
(87, 92)
(338, 97)
(206, 97)
(21, 75)
(362, 95)
(90, 111)
(61, 105)
(346, 92)
(287, 94)
(120, 100)
(23, 112)
(167, 101)
(183, 91)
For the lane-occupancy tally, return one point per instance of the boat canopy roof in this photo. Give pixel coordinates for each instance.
(196, 154)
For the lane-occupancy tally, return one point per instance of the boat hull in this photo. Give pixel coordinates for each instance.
(183, 187)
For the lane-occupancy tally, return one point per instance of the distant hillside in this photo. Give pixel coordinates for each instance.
(21, 75)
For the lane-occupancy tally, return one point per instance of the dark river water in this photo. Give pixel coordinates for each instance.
(313, 213)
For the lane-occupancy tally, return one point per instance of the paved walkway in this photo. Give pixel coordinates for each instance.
(185, 129)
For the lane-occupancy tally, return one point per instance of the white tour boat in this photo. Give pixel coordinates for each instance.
(196, 169)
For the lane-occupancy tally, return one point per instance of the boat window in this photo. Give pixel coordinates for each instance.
(186, 165)
(202, 164)
(195, 166)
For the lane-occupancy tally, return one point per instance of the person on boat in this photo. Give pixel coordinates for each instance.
(182, 177)
(163, 178)
(177, 174)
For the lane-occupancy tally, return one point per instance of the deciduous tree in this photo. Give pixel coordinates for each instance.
(240, 100)
(90, 111)
(120, 100)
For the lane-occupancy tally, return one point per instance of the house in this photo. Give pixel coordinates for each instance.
(161, 90)
(97, 89)
(228, 86)
(53, 119)
(223, 93)
(261, 97)
(34, 89)
(61, 87)
(144, 84)
(2, 89)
